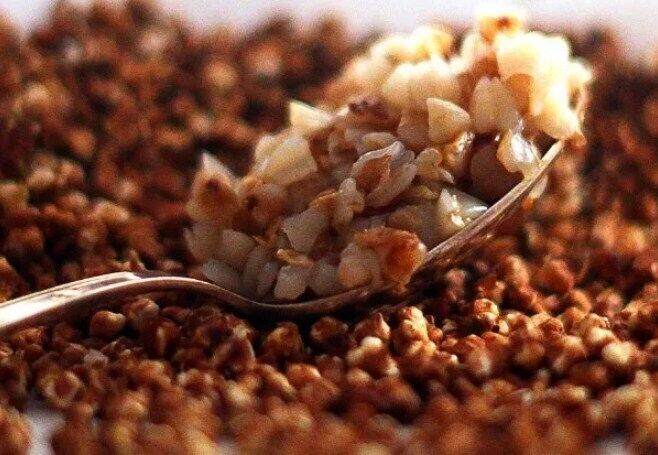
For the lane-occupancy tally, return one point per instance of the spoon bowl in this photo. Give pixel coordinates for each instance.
(78, 298)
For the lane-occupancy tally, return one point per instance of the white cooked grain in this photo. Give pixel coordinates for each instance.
(409, 127)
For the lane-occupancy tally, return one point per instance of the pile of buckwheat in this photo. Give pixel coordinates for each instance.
(545, 342)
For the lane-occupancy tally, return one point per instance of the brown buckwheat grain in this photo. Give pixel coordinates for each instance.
(547, 342)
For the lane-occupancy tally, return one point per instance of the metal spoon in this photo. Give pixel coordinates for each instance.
(78, 298)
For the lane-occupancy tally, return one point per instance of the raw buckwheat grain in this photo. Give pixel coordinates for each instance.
(546, 342)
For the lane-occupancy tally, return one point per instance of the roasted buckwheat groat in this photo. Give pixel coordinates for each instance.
(547, 342)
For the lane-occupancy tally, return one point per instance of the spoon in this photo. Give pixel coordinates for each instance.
(78, 298)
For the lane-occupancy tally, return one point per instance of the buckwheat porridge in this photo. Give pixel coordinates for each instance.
(415, 140)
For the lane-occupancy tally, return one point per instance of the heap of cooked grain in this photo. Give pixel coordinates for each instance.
(422, 138)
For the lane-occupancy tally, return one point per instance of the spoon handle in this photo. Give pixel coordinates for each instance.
(79, 298)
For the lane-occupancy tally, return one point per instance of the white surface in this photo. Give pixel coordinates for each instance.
(43, 422)
(635, 18)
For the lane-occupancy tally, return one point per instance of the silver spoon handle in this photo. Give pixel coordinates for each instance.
(82, 297)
